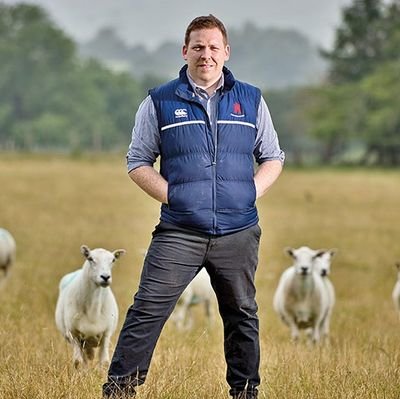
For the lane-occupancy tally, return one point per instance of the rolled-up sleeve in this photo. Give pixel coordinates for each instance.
(145, 143)
(267, 143)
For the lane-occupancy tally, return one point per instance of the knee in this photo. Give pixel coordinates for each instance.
(240, 308)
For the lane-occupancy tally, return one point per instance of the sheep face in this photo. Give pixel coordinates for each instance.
(304, 258)
(322, 263)
(100, 263)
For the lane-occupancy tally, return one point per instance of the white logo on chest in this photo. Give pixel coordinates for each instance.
(181, 113)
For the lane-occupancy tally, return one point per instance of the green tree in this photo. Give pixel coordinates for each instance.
(108, 102)
(287, 110)
(368, 36)
(34, 55)
(391, 27)
(358, 43)
(332, 110)
(51, 99)
(378, 117)
(360, 102)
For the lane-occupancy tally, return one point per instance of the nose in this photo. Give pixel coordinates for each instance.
(304, 269)
(105, 277)
(206, 53)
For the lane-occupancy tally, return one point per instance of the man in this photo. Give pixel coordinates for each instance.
(207, 128)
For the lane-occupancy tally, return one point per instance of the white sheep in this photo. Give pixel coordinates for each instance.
(86, 312)
(322, 265)
(300, 298)
(396, 290)
(8, 250)
(198, 291)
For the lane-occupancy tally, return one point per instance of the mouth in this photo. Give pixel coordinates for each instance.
(104, 284)
(205, 67)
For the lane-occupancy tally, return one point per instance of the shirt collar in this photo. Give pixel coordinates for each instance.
(199, 90)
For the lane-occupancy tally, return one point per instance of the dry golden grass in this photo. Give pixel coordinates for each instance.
(53, 205)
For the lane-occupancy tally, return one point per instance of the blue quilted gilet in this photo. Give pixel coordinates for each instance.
(210, 179)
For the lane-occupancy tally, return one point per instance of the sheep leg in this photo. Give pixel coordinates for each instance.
(290, 321)
(78, 355)
(104, 355)
(188, 319)
(178, 316)
(182, 314)
(89, 351)
(294, 331)
(209, 311)
(325, 326)
(315, 335)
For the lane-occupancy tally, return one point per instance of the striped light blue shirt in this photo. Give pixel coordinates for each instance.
(145, 144)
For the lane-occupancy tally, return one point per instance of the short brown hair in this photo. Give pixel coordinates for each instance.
(205, 22)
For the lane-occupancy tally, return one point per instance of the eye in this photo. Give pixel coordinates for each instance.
(198, 47)
(90, 259)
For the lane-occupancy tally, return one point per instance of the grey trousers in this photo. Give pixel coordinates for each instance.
(174, 257)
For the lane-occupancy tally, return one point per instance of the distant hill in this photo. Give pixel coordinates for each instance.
(269, 58)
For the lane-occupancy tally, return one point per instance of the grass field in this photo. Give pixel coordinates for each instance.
(53, 205)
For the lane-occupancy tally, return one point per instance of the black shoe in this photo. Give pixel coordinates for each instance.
(248, 394)
(113, 391)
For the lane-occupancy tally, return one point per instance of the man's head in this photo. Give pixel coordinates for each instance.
(206, 49)
(206, 22)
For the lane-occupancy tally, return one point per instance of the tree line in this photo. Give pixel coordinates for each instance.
(353, 115)
(265, 57)
(53, 99)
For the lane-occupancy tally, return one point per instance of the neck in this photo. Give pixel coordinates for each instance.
(209, 87)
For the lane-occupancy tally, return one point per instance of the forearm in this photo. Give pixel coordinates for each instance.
(150, 181)
(266, 175)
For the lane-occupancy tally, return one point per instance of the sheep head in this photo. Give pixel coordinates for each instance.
(100, 263)
(322, 263)
(304, 258)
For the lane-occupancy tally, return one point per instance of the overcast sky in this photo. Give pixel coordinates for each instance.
(151, 21)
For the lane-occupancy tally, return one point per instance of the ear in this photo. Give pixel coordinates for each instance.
(319, 253)
(227, 52)
(85, 250)
(184, 52)
(289, 251)
(333, 252)
(118, 252)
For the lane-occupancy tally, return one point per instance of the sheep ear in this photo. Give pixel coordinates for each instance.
(333, 252)
(119, 252)
(319, 253)
(289, 251)
(85, 250)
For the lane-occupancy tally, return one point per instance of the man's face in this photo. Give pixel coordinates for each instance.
(205, 55)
